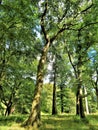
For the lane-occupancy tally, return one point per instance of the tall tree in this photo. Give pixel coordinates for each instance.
(54, 106)
(16, 38)
(65, 19)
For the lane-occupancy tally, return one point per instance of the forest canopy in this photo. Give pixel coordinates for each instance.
(48, 58)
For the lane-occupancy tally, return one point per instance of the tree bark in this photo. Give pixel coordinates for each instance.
(79, 99)
(61, 96)
(82, 115)
(86, 101)
(8, 109)
(97, 96)
(79, 104)
(54, 108)
(34, 118)
(77, 71)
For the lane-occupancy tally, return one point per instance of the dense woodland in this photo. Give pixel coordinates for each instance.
(48, 58)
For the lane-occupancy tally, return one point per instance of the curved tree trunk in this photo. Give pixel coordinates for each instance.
(34, 118)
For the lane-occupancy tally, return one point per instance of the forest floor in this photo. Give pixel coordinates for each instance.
(59, 122)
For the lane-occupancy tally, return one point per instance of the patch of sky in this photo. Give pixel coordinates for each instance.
(92, 55)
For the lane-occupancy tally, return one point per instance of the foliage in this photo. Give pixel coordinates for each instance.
(71, 29)
(46, 100)
(68, 100)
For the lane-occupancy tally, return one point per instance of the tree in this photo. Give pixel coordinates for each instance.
(34, 118)
(16, 38)
(34, 29)
(54, 106)
(65, 19)
(83, 43)
(93, 69)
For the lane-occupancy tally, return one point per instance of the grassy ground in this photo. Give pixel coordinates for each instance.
(59, 122)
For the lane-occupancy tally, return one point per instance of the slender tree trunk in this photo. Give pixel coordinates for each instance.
(78, 72)
(86, 101)
(54, 108)
(34, 118)
(97, 96)
(79, 98)
(77, 103)
(8, 109)
(78, 78)
(61, 96)
(82, 115)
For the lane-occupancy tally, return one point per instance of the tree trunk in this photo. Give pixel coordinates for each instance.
(61, 96)
(86, 101)
(77, 103)
(34, 118)
(97, 96)
(82, 115)
(8, 109)
(54, 108)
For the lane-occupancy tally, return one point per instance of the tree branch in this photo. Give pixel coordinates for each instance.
(42, 22)
(86, 9)
(71, 62)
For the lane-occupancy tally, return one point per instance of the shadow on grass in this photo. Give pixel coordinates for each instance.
(63, 122)
(8, 121)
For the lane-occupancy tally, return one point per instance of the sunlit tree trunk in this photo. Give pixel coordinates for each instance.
(79, 99)
(82, 115)
(34, 118)
(79, 104)
(86, 101)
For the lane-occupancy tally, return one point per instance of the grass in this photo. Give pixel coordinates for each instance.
(12, 122)
(49, 122)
